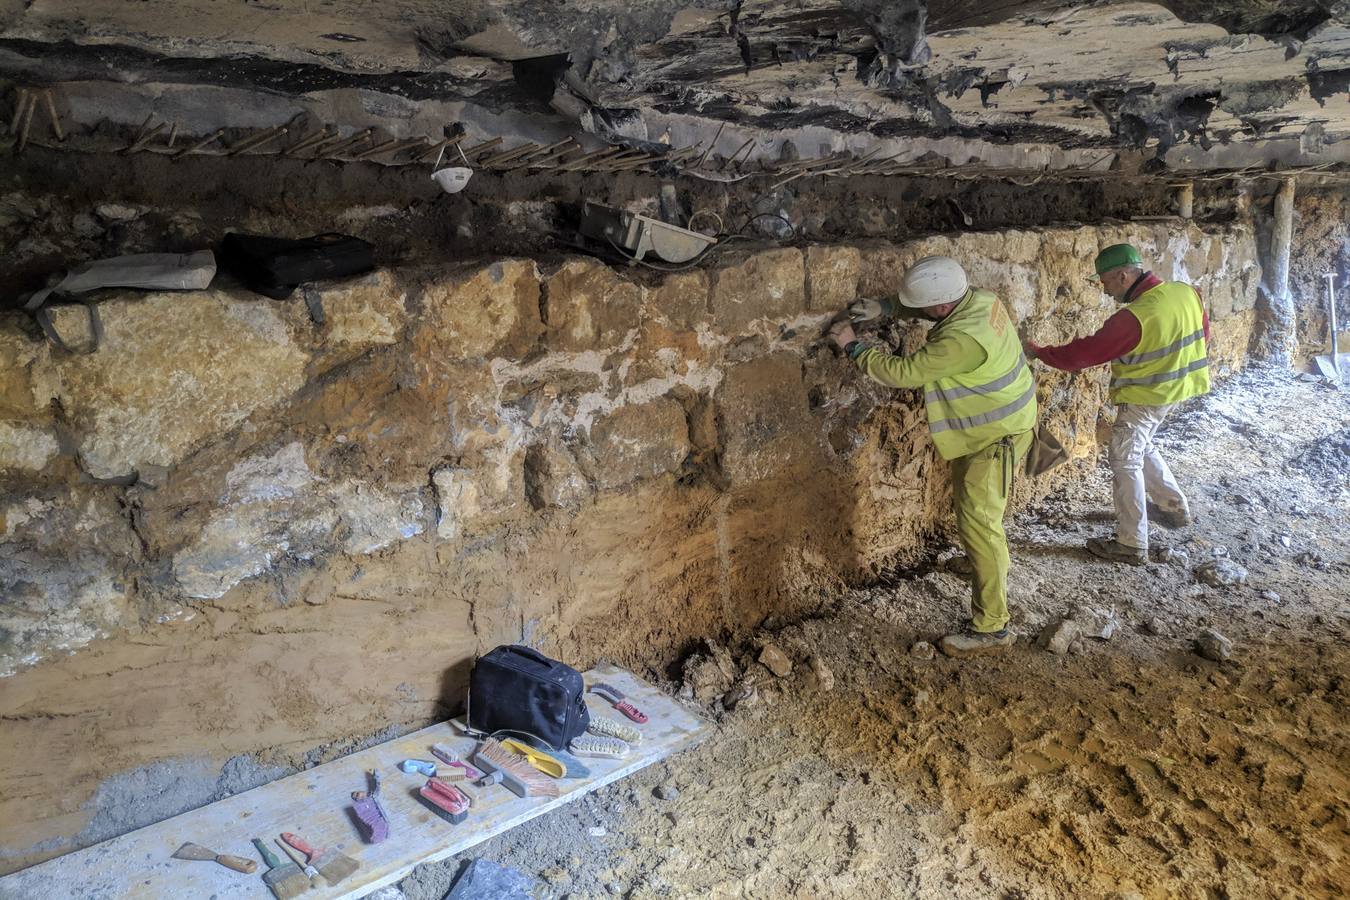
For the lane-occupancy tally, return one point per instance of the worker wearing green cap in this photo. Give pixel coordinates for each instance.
(1157, 348)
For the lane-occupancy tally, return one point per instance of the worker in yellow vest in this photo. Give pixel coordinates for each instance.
(981, 404)
(1157, 348)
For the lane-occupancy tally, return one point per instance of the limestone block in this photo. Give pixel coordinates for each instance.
(1246, 271)
(1018, 246)
(881, 266)
(553, 477)
(61, 573)
(639, 441)
(55, 604)
(831, 277)
(681, 299)
(589, 307)
(363, 312)
(25, 447)
(488, 311)
(470, 497)
(768, 285)
(376, 518)
(18, 353)
(174, 370)
(1218, 297)
(271, 508)
(765, 420)
(660, 352)
(1016, 284)
(933, 245)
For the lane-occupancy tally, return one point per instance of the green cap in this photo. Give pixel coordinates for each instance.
(1117, 255)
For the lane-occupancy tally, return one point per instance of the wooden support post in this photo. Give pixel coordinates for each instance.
(353, 141)
(382, 147)
(258, 140)
(27, 120)
(1186, 200)
(200, 145)
(1280, 331)
(51, 113)
(318, 137)
(20, 104)
(147, 137)
(479, 148)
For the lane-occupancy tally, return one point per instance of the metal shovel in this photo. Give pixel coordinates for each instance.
(1334, 364)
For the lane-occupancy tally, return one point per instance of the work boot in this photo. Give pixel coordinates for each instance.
(976, 643)
(1172, 520)
(1115, 551)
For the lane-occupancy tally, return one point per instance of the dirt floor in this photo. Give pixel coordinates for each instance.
(1131, 767)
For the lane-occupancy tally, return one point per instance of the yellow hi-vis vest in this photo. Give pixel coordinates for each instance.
(1169, 364)
(968, 412)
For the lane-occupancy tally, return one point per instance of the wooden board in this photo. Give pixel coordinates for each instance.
(315, 805)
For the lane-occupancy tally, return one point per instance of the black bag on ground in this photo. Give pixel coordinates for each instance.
(514, 688)
(274, 266)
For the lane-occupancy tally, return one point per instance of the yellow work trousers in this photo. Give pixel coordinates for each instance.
(981, 483)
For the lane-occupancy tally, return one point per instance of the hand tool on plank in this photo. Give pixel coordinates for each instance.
(505, 768)
(197, 851)
(448, 800)
(299, 858)
(332, 865)
(287, 880)
(370, 812)
(617, 699)
(418, 767)
(537, 758)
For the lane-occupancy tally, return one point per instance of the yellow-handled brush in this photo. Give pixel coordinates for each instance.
(540, 760)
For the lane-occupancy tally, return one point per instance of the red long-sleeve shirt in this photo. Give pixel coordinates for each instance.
(1118, 336)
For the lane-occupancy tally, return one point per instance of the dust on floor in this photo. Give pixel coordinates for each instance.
(1126, 768)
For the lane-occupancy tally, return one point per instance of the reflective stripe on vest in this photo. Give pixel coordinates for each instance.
(1138, 358)
(1163, 376)
(937, 394)
(970, 411)
(993, 415)
(1170, 362)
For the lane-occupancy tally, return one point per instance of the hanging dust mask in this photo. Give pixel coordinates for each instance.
(451, 179)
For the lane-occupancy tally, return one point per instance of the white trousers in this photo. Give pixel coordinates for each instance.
(1139, 473)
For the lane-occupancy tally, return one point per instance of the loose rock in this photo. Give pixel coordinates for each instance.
(824, 677)
(1155, 626)
(666, 791)
(1163, 553)
(775, 660)
(744, 694)
(1096, 623)
(1212, 645)
(1270, 596)
(708, 676)
(922, 650)
(1221, 573)
(1058, 637)
(115, 212)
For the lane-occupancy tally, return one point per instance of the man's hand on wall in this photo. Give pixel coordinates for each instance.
(865, 310)
(841, 333)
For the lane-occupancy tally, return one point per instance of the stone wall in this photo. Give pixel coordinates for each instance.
(232, 542)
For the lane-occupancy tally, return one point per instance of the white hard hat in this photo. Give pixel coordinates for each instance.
(931, 281)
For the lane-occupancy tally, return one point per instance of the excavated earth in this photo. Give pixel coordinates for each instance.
(1126, 768)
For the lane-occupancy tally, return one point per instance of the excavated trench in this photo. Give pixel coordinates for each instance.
(237, 543)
